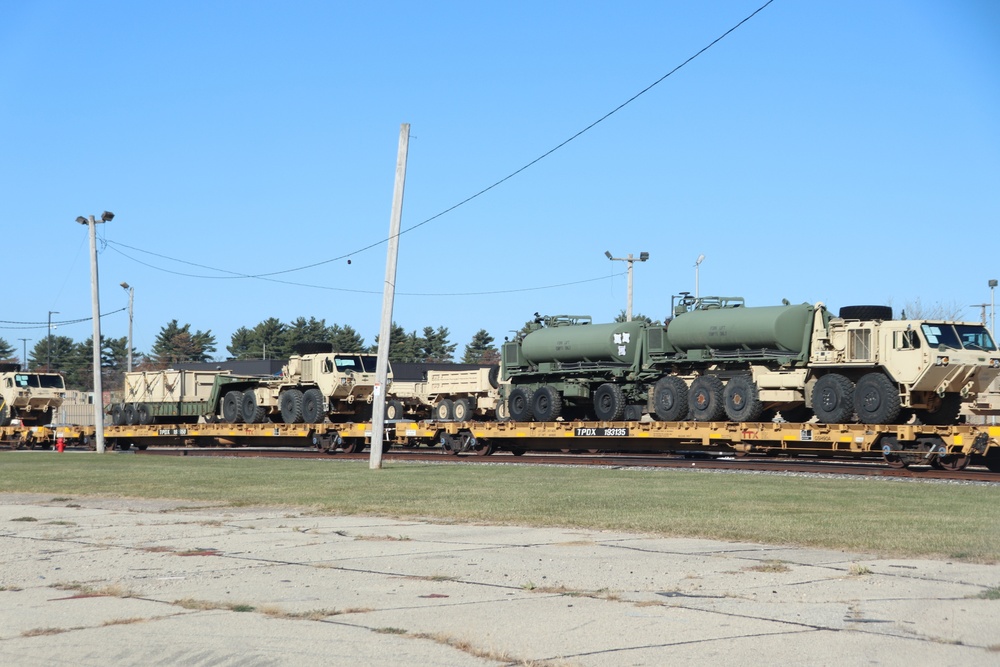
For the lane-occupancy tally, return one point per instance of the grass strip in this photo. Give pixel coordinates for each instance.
(880, 516)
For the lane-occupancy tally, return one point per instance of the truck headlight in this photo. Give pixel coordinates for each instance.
(942, 361)
(994, 363)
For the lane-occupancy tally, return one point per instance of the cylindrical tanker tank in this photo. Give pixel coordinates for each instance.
(615, 342)
(769, 327)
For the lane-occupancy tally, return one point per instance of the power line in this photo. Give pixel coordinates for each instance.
(61, 323)
(506, 178)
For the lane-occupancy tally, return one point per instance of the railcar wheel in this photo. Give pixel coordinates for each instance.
(953, 462)
(876, 399)
(231, 407)
(742, 400)
(517, 451)
(353, 446)
(705, 399)
(252, 413)
(481, 448)
(290, 405)
(394, 410)
(609, 402)
(670, 399)
(942, 411)
(312, 406)
(894, 461)
(833, 399)
(461, 409)
(546, 404)
(519, 404)
(444, 410)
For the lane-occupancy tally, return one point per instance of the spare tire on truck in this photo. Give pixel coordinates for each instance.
(866, 313)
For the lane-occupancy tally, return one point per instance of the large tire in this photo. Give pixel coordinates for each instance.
(131, 414)
(444, 410)
(252, 413)
(312, 406)
(945, 411)
(117, 415)
(742, 399)
(519, 404)
(833, 399)
(494, 377)
(313, 347)
(670, 399)
(609, 403)
(461, 410)
(144, 413)
(394, 410)
(876, 400)
(866, 313)
(232, 404)
(546, 404)
(705, 399)
(290, 405)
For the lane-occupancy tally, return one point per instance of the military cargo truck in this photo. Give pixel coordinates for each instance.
(460, 395)
(717, 359)
(311, 388)
(30, 397)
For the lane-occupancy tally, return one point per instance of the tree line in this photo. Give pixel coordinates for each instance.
(269, 339)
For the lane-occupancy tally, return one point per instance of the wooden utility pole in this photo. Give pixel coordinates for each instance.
(388, 295)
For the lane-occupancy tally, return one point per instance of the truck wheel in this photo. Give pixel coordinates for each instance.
(312, 406)
(519, 404)
(546, 404)
(494, 377)
(290, 405)
(670, 399)
(444, 410)
(144, 414)
(252, 413)
(394, 410)
(705, 399)
(833, 399)
(461, 410)
(876, 399)
(742, 400)
(131, 416)
(866, 313)
(943, 411)
(232, 407)
(117, 415)
(609, 402)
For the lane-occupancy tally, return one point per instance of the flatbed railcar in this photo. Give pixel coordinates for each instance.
(950, 447)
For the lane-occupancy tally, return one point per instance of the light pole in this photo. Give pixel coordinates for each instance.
(48, 343)
(643, 256)
(24, 353)
(993, 313)
(131, 293)
(697, 263)
(95, 298)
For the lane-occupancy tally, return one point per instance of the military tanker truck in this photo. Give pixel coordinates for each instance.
(312, 387)
(718, 359)
(30, 397)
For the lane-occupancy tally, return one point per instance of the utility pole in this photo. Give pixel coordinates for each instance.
(388, 295)
(643, 256)
(993, 312)
(48, 343)
(131, 293)
(95, 299)
(24, 354)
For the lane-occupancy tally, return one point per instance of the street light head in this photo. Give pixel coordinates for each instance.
(125, 285)
(643, 256)
(82, 220)
(607, 253)
(993, 283)
(701, 258)
(107, 216)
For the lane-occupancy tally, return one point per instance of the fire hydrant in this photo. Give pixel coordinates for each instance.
(60, 445)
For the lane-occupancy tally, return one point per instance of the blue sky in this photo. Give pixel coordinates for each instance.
(838, 151)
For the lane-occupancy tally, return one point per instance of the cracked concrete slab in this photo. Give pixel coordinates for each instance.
(98, 580)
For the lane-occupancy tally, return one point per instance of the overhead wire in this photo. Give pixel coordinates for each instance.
(460, 203)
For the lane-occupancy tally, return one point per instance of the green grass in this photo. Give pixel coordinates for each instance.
(892, 518)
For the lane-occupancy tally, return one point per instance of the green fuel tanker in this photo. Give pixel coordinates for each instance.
(718, 359)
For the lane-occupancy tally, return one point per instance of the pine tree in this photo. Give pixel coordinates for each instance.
(346, 339)
(176, 343)
(434, 346)
(7, 350)
(481, 349)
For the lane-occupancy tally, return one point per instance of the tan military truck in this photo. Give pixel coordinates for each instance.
(30, 397)
(446, 396)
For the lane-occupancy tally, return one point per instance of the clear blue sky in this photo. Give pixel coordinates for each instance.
(831, 150)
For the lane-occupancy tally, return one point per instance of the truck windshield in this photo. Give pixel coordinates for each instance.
(941, 335)
(975, 337)
(41, 381)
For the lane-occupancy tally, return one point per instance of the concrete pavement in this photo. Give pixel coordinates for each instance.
(96, 581)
